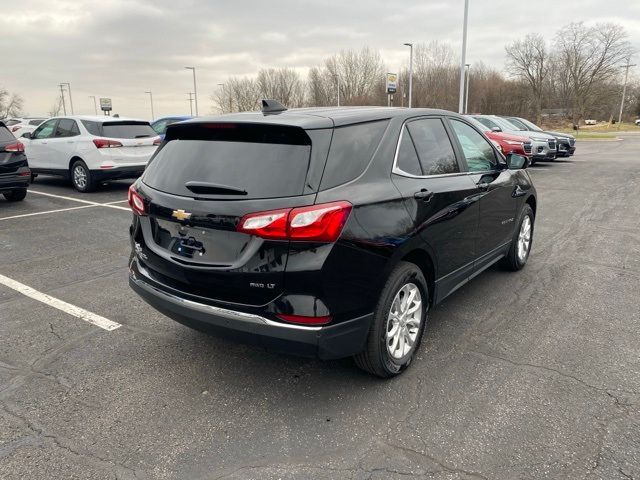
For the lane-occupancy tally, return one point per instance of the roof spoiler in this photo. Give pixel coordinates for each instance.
(272, 106)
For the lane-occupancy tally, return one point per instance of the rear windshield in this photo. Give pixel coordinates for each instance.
(127, 129)
(264, 161)
(6, 135)
(119, 129)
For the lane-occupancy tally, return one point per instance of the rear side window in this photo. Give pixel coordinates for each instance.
(6, 135)
(127, 129)
(92, 127)
(434, 147)
(265, 161)
(351, 150)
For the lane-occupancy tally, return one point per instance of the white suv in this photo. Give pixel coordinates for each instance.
(91, 149)
(24, 125)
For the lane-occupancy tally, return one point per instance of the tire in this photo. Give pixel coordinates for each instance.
(15, 195)
(376, 358)
(81, 177)
(515, 260)
(33, 177)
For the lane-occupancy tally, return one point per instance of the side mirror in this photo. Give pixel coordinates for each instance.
(517, 162)
(496, 129)
(26, 135)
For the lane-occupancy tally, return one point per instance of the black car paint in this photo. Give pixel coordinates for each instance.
(14, 167)
(460, 230)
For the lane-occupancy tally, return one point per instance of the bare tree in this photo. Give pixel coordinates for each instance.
(591, 57)
(10, 104)
(237, 95)
(528, 60)
(283, 85)
(360, 76)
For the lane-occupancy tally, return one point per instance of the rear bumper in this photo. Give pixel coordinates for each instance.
(12, 182)
(326, 342)
(118, 173)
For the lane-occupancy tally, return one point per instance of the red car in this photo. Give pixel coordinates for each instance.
(508, 143)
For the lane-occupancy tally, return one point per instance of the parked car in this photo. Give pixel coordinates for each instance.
(543, 145)
(590, 121)
(325, 232)
(14, 168)
(638, 122)
(565, 143)
(91, 149)
(507, 143)
(27, 124)
(160, 125)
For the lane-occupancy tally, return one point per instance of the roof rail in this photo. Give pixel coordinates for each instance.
(272, 106)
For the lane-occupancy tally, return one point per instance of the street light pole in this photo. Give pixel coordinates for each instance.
(95, 105)
(190, 102)
(410, 45)
(64, 106)
(195, 88)
(464, 55)
(624, 88)
(466, 93)
(70, 97)
(151, 97)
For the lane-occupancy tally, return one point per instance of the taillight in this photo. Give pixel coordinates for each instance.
(14, 147)
(272, 224)
(315, 223)
(304, 320)
(136, 202)
(105, 143)
(15, 129)
(157, 141)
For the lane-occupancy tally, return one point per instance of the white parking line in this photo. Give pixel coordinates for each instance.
(48, 211)
(78, 312)
(108, 205)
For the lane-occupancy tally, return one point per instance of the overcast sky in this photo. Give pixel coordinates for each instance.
(121, 48)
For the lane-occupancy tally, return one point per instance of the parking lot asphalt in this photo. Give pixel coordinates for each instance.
(528, 375)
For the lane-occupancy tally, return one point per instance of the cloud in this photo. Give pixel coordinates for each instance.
(121, 48)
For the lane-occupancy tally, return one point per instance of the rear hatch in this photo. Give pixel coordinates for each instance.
(131, 141)
(12, 157)
(198, 186)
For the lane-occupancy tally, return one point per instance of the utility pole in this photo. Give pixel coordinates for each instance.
(410, 45)
(151, 97)
(95, 105)
(624, 88)
(190, 102)
(466, 94)
(195, 87)
(464, 56)
(64, 106)
(70, 97)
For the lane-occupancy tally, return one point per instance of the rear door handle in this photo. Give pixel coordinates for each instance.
(424, 195)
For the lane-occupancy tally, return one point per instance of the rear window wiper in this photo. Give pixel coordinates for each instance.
(207, 188)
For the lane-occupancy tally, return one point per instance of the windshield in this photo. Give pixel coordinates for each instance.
(507, 125)
(479, 125)
(532, 126)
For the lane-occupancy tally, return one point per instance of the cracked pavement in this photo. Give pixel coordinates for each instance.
(532, 375)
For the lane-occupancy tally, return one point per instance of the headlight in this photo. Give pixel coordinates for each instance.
(511, 142)
(538, 139)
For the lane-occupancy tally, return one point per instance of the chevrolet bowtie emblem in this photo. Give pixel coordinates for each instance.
(181, 215)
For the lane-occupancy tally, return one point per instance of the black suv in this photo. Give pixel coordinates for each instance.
(14, 169)
(326, 232)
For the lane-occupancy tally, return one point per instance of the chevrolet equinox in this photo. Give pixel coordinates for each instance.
(325, 232)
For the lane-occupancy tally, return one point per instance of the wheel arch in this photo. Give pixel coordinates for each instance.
(73, 160)
(531, 201)
(423, 260)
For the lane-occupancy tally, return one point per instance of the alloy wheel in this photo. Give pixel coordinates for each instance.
(404, 321)
(80, 177)
(524, 239)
